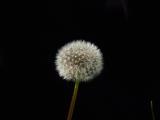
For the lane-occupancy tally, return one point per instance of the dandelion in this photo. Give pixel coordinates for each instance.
(78, 61)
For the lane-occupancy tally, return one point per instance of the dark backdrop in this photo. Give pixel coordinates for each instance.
(122, 91)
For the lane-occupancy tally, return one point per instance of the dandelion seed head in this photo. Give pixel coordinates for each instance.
(79, 60)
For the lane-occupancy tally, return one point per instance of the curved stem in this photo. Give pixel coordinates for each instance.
(72, 104)
(153, 116)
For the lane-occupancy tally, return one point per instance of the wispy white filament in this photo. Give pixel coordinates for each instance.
(79, 60)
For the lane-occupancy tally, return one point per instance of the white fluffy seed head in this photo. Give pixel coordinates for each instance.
(79, 60)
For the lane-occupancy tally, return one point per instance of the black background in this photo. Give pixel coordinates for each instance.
(33, 89)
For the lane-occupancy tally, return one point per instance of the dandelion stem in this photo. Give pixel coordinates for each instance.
(153, 116)
(72, 104)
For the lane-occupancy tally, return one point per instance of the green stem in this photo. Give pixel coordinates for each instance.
(72, 104)
(153, 116)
